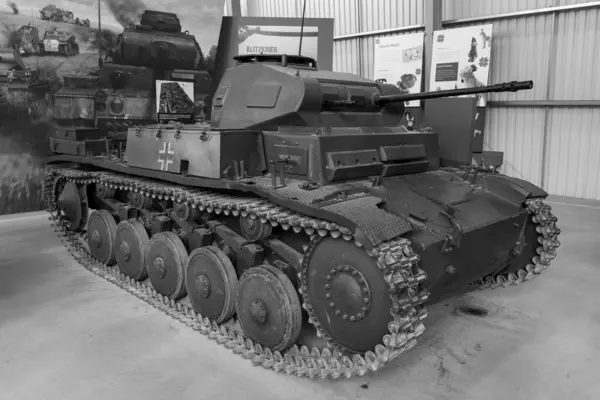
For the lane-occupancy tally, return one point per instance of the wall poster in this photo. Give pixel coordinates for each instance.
(174, 101)
(268, 39)
(399, 61)
(461, 58)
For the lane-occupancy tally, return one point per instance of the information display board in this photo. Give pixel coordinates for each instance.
(278, 39)
(399, 61)
(461, 58)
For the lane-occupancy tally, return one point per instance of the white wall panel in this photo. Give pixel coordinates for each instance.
(578, 49)
(272, 8)
(385, 14)
(573, 153)
(346, 56)
(457, 9)
(519, 133)
(343, 11)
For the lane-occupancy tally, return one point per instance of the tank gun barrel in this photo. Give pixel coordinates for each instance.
(513, 86)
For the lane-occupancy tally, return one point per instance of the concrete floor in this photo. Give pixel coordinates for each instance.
(67, 334)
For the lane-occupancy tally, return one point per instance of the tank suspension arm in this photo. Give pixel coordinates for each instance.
(513, 86)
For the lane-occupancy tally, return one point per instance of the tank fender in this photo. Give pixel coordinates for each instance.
(513, 190)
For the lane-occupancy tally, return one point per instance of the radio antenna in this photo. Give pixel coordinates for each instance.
(99, 37)
(302, 28)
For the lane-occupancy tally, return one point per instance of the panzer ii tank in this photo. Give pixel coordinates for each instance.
(303, 193)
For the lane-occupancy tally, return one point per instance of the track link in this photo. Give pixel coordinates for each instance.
(395, 258)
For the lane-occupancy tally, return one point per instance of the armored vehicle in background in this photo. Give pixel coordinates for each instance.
(55, 40)
(28, 40)
(22, 87)
(55, 14)
(59, 41)
(302, 202)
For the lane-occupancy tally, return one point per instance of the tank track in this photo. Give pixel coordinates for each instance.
(548, 240)
(394, 258)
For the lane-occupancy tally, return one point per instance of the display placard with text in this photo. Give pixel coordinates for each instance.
(269, 39)
(461, 58)
(399, 61)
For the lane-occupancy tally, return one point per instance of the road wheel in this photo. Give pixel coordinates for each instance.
(166, 258)
(268, 307)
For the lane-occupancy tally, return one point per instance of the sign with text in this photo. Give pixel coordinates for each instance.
(270, 39)
(461, 58)
(399, 61)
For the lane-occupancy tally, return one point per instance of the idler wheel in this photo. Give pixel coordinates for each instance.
(268, 307)
(73, 206)
(131, 245)
(347, 295)
(101, 236)
(254, 230)
(165, 262)
(211, 283)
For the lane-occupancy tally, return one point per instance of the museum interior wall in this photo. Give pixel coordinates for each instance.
(548, 134)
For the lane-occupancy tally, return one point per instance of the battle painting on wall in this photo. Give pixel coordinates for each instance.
(45, 47)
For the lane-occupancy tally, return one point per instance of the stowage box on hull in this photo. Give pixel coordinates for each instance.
(197, 152)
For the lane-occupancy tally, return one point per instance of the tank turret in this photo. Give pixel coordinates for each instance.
(157, 42)
(268, 91)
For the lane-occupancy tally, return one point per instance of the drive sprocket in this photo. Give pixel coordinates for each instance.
(358, 300)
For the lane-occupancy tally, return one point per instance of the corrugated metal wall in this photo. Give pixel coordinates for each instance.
(556, 147)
